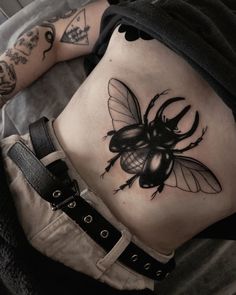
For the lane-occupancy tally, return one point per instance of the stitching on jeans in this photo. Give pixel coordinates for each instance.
(35, 235)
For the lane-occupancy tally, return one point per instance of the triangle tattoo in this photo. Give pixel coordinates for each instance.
(77, 30)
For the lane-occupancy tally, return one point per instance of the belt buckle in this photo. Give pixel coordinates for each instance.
(70, 201)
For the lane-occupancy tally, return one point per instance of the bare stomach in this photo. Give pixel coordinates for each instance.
(167, 160)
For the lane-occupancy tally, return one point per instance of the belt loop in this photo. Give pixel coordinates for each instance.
(54, 156)
(110, 258)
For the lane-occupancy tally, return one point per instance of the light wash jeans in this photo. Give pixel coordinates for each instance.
(57, 236)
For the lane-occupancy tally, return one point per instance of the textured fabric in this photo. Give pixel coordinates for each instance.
(25, 271)
(57, 236)
(202, 32)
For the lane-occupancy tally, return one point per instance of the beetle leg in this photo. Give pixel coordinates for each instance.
(151, 105)
(128, 183)
(159, 190)
(111, 163)
(192, 144)
(110, 133)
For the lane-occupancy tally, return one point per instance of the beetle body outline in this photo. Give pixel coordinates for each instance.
(147, 149)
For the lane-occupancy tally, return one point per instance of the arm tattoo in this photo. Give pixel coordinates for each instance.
(77, 30)
(50, 35)
(16, 57)
(7, 78)
(27, 42)
(147, 149)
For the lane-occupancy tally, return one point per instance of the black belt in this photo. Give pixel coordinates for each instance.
(53, 184)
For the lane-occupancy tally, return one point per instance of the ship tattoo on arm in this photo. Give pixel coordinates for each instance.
(147, 149)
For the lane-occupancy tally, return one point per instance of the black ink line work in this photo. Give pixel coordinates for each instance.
(133, 34)
(64, 16)
(147, 148)
(27, 42)
(77, 30)
(16, 57)
(50, 36)
(7, 78)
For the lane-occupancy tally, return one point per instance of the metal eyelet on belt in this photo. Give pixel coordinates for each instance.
(159, 273)
(72, 205)
(147, 266)
(57, 194)
(134, 257)
(104, 234)
(167, 275)
(88, 219)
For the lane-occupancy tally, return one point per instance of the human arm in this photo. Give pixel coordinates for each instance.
(37, 50)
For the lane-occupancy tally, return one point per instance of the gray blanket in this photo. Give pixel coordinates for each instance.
(204, 267)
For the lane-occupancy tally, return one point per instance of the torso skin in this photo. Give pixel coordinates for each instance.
(148, 68)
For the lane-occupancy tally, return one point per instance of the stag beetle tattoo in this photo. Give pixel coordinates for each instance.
(147, 149)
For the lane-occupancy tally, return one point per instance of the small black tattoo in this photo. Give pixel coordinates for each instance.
(133, 34)
(27, 42)
(77, 30)
(147, 148)
(16, 57)
(7, 78)
(64, 16)
(50, 36)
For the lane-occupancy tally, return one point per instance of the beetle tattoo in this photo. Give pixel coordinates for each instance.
(147, 149)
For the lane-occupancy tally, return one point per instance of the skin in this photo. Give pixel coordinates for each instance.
(147, 67)
(174, 216)
(57, 39)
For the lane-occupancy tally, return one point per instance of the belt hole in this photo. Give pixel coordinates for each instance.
(57, 194)
(72, 205)
(104, 234)
(147, 266)
(88, 219)
(167, 275)
(159, 273)
(134, 257)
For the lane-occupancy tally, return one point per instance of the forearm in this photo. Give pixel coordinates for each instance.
(32, 54)
(58, 39)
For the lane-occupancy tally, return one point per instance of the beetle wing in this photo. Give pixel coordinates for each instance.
(123, 105)
(191, 175)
